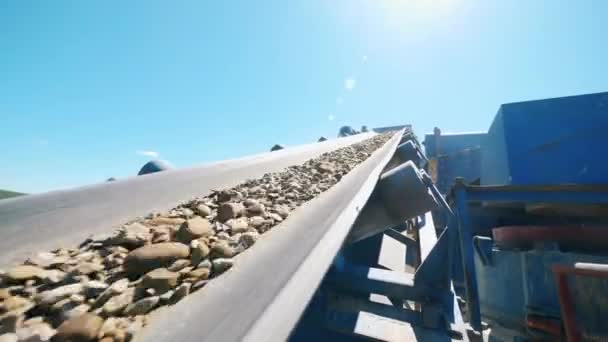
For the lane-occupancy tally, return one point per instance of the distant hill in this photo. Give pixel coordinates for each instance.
(9, 194)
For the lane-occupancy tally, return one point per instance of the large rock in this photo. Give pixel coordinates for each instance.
(51, 297)
(228, 211)
(82, 328)
(24, 272)
(160, 279)
(193, 229)
(149, 257)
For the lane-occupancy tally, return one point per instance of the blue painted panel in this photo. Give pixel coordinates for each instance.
(465, 163)
(552, 141)
(450, 143)
(495, 163)
(517, 283)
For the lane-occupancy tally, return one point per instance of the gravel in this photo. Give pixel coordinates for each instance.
(103, 289)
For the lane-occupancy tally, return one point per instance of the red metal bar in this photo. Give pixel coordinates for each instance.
(551, 327)
(566, 302)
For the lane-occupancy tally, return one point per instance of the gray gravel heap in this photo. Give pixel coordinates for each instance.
(103, 289)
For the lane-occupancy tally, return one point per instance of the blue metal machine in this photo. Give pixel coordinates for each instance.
(539, 212)
(517, 239)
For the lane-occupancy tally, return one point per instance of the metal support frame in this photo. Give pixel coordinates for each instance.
(430, 287)
(465, 194)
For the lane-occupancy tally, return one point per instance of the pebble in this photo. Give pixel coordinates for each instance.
(185, 270)
(35, 332)
(283, 211)
(220, 265)
(275, 217)
(165, 221)
(87, 268)
(186, 212)
(134, 327)
(250, 202)
(256, 221)
(114, 289)
(228, 211)
(248, 239)
(47, 259)
(256, 209)
(194, 228)
(51, 277)
(225, 195)
(203, 210)
(198, 274)
(238, 225)
(149, 257)
(79, 329)
(142, 306)
(10, 322)
(4, 294)
(111, 326)
(141, 250)
(166, 297)
(51, 297)
(199, 251)
(205, 264)
(179, 264)
(131, 236)
(24, 272)
(17, 305)
(198, 285)
(221, 250)
(74, 312)
(325, 167)
(116, 304)
(94, 288)
(160, 279)
(180, 292)
(10, 337)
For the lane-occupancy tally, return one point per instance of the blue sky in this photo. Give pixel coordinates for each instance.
(87, 86)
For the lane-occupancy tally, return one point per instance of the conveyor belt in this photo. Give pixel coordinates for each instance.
(263, 296)
(64, 218)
